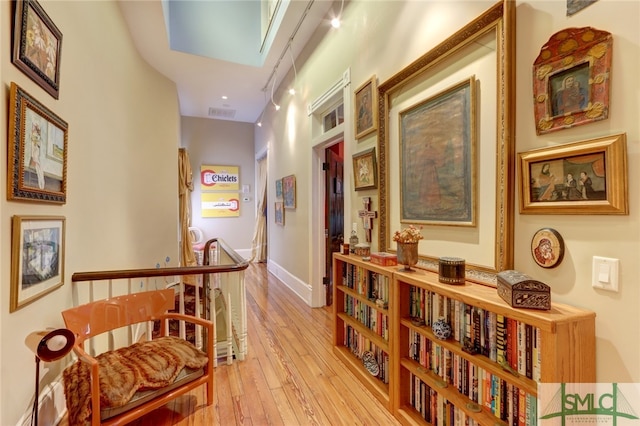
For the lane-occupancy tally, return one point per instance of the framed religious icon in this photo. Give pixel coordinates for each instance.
(547, 248)
(586, 177)
(571, 78)
(437, 158)
(365, 170)
(484, 49)
(365, 114)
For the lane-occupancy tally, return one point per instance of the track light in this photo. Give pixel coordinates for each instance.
(259, 122)
(273, 84)
(292, 90)
(335, 22)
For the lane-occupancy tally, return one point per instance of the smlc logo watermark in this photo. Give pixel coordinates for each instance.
(615, 404)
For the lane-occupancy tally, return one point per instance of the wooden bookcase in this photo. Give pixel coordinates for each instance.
(506, 361)
(353, 282)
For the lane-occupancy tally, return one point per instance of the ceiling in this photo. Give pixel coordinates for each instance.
(214, 48)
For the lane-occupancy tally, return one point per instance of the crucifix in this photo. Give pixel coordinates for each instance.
(367, 217)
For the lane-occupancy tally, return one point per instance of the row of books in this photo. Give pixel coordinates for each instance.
(370, 284)
(503, 399)
(434, 408)
(368, 316)
(501, 339)
(518, 409)
(360, 345)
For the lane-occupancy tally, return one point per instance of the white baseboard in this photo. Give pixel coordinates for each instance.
(300, 288)
(51, 408)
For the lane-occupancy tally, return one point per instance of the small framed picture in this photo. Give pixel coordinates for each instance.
(547, 248)
(587, 177)
(278, 189)
(289, 191)
(37, 151)
(366, 113)
(37, 45)
(365, 170)
(279, 213)
(37, 258)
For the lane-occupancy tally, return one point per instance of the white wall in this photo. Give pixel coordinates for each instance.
(224, 143)
(383, 37)
(122, 208)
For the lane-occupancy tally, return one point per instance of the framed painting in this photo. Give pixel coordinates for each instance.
(37, 45)
(289, 191)
(587, 177)
(365, 170)
(37, 257)
(37, 157)
(437, 158)
(484, 48)
(365, 114)
(571, 78)
(279, 213)
(278, 189)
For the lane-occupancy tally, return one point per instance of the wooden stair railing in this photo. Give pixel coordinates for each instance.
(219, 282)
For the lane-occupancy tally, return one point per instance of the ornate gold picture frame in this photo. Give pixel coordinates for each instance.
(586, 177)
(365, 114)
(37, 164)
(37, 45)
(495, 150)
(365, 170)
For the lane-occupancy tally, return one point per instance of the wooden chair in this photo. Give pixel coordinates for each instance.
(95, 318)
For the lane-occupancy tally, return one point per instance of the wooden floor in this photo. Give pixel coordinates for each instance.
(290, 376)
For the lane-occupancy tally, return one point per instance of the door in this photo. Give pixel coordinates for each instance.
(334, 212)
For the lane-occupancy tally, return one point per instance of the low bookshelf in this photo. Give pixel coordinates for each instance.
(486, 372)
(362, 330)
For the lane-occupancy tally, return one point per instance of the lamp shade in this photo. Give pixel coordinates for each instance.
(50, 345)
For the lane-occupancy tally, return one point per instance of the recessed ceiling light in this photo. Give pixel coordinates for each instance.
(225, 97)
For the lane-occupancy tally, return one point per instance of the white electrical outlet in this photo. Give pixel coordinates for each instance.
(604, 273)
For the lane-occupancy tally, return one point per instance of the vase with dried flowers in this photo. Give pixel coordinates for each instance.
(407, 240)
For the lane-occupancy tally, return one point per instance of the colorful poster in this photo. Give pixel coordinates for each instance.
(220, 178)
(220, 204)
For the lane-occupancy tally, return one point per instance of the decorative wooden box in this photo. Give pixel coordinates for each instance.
(521, 291)
(384, 259)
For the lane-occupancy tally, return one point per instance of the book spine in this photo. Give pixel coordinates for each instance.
(501, 339)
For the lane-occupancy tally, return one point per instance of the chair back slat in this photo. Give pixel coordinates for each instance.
(98, 317)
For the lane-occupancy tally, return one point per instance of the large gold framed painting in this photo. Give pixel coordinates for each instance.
(445, 140)
(437, 148)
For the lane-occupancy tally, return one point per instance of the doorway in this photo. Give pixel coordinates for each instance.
(334, 211)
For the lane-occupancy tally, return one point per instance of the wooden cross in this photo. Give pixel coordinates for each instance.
(367, 217)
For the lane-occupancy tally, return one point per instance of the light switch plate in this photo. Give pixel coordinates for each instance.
(604, 274)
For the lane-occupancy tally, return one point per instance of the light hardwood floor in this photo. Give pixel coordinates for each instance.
(289, 377)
